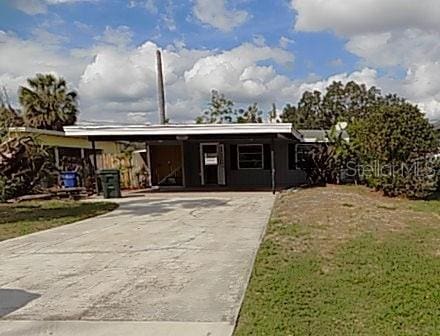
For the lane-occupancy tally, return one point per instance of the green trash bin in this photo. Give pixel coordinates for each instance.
(110, 182)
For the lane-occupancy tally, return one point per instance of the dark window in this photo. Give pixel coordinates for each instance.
(267, 157)
(233, 156)
(303, 154)
(250, 157)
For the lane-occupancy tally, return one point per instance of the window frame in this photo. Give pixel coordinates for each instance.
(298, 153)
(261, 146)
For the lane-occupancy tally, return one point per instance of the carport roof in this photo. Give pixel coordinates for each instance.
(181, 130)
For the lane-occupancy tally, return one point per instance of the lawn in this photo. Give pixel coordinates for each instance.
(346, 261)
(28, 217)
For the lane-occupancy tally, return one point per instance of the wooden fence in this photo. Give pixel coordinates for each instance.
(129, 166)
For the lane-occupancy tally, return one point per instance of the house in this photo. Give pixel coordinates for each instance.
(67, 146)
(215, 156)
(69, 152)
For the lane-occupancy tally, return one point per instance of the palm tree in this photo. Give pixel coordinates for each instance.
(47, 103)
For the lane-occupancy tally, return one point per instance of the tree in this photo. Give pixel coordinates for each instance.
(23, 165)
(251, 115)
(339, 103)
(385, 131)
(220, 110)
(398, 142)
(47, 103)
(9, 117)
(308, 114)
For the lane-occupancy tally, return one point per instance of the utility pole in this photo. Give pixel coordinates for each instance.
(160, 89)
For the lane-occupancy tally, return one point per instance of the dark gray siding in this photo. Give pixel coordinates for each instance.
(192, 164)
(244, 177)
(286, 177)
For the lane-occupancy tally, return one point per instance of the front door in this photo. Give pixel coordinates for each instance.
(212, 164)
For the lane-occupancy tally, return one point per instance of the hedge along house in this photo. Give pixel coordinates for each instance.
(215, 156)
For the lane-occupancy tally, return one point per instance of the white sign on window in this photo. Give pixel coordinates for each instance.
(211, 159)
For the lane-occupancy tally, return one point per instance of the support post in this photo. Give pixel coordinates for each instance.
(95, 166)
(57, 157)
(150, 171)
(272, 161)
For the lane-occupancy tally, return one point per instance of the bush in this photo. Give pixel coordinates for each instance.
(23, 165)
(398, 143)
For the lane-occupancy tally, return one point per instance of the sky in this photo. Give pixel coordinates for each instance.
(263, 51)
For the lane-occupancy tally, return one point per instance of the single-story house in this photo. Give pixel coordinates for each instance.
(229, 156)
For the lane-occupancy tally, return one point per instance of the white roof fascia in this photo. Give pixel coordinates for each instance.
(211, 129)
(35, 131)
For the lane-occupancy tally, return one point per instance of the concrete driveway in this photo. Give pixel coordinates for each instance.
(162, 264)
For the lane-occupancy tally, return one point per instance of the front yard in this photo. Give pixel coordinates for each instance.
(28, 217)
(345, 261)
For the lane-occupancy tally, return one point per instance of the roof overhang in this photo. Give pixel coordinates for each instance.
(35, 131)
(122, 131)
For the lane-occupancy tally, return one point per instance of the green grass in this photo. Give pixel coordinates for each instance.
(427, 206)
(28, 217)
(374, 283)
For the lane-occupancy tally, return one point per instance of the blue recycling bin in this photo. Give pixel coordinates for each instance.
(69, 179)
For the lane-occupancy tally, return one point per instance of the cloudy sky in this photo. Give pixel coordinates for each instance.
(264, 51)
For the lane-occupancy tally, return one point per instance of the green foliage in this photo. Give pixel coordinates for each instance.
(47, 103)
(9, 117)
(396, 138)
(339, 103)
(384, 131)
(221, 111)
(251, 115)
(23, 165)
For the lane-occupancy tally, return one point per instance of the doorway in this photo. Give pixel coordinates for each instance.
(212, 161)
(166, 165)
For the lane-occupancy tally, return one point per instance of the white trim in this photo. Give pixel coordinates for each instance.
(35, 131)
(182, 129)
(248, 145)
(221, 169)
(202, 161)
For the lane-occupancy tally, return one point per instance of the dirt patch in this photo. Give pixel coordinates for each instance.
(324, 218)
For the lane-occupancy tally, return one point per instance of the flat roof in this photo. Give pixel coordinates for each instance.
(313, 136)
(181, 129)
(33, 130)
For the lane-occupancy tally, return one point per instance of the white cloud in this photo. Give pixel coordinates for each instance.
(388, 35)
(120, 36)
(45, 37)
(216, 14)
(149, 5)
(365, 76)
(34, 7)
(366, 16)
(285, 41)
(117, 81)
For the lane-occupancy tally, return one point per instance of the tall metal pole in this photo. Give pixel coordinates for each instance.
(160, 89)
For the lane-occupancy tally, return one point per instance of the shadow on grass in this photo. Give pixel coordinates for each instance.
(47, 211)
